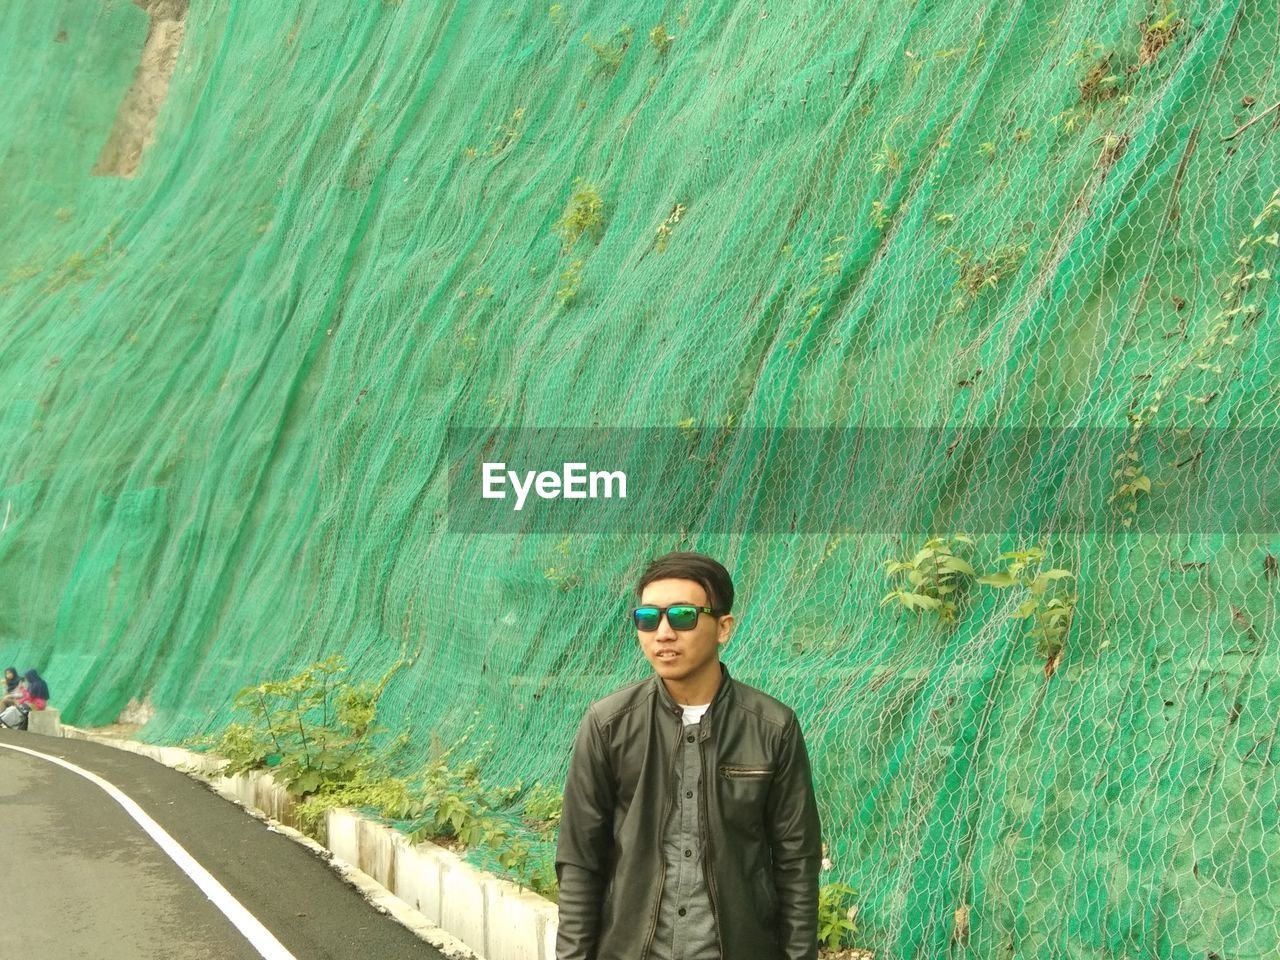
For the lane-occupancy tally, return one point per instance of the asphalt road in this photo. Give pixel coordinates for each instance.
(85, 882)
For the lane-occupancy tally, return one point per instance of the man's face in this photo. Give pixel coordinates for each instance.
(683, 655)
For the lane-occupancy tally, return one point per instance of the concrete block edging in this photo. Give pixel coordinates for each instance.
(463, 912)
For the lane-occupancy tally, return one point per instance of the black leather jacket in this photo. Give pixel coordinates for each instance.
(762, 844)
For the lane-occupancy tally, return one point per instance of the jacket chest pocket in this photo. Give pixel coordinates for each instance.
(733, 771)
(744, 789)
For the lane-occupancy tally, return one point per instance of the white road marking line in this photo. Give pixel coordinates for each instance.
(259, 937)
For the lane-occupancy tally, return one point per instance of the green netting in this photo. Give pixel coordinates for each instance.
(227, 382)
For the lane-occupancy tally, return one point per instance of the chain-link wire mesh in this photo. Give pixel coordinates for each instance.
(228, 382)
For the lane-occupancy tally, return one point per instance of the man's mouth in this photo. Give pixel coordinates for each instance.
(667, 654)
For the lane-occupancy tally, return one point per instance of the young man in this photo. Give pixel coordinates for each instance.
(689, 829)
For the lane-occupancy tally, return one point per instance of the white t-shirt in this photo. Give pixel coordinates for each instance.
(693, 715)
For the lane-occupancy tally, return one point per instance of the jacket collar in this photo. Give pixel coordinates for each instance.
(723, 695)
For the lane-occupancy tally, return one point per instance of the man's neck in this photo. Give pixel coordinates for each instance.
(695, 691)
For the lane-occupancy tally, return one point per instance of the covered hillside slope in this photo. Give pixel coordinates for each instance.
(227, 380)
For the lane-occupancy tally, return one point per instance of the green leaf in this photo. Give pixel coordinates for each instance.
(1002, 579)
(1026, 609)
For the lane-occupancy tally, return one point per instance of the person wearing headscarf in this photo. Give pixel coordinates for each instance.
(37, 691)
(33, 694)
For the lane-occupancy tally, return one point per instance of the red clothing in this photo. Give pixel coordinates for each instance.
(24, 696)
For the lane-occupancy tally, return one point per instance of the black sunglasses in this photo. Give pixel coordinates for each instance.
(681, 616)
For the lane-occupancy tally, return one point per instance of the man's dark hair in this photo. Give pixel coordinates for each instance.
(699, 568)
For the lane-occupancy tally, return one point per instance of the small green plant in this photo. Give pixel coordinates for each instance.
(313, 730)
(1052, 613)
(1132, 481)
(1113, 148)
(563, 579)
(836, 915)
(452, 806)
(1239, 306)
(310, 729)
(389, 796)
(560, 574)
(888, 158)
(451, 803)
(542, 808)
(660, 39)
(609, 55)
(1071, 119)
(881, 214)
(508, 132)
(583, 214)
(977, 273)
(663, 236)
(1157, 34)
(934, 576)
(1100, 82)
(833, 262)
(570, 283)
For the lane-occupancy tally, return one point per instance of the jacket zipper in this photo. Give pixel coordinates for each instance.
(666, 812)
(726, 771)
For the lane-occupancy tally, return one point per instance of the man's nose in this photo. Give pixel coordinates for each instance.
(664, 631)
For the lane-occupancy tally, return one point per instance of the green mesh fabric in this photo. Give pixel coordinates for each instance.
(227, 380)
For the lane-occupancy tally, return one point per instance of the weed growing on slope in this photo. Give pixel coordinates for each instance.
(508, 132)
(660, 39)
(979, 272)
(570, 283)
(664, 229)
(313, 731)
(609, 55)
(1157, 34)
(1241, 305)
(1099, 81)
(1052, 613)
(934, 575)
(583, 215)
(836, 915)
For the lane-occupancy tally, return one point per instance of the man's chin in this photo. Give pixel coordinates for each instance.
(668, 669)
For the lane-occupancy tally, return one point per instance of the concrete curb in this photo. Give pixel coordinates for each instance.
(463, 912)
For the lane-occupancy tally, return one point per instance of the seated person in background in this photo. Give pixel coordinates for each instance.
(11, 679)
(33, 694)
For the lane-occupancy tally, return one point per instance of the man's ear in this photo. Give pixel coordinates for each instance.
(726, 627)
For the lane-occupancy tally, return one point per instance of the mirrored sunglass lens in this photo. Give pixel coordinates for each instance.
(647, 618)
(682, 618)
